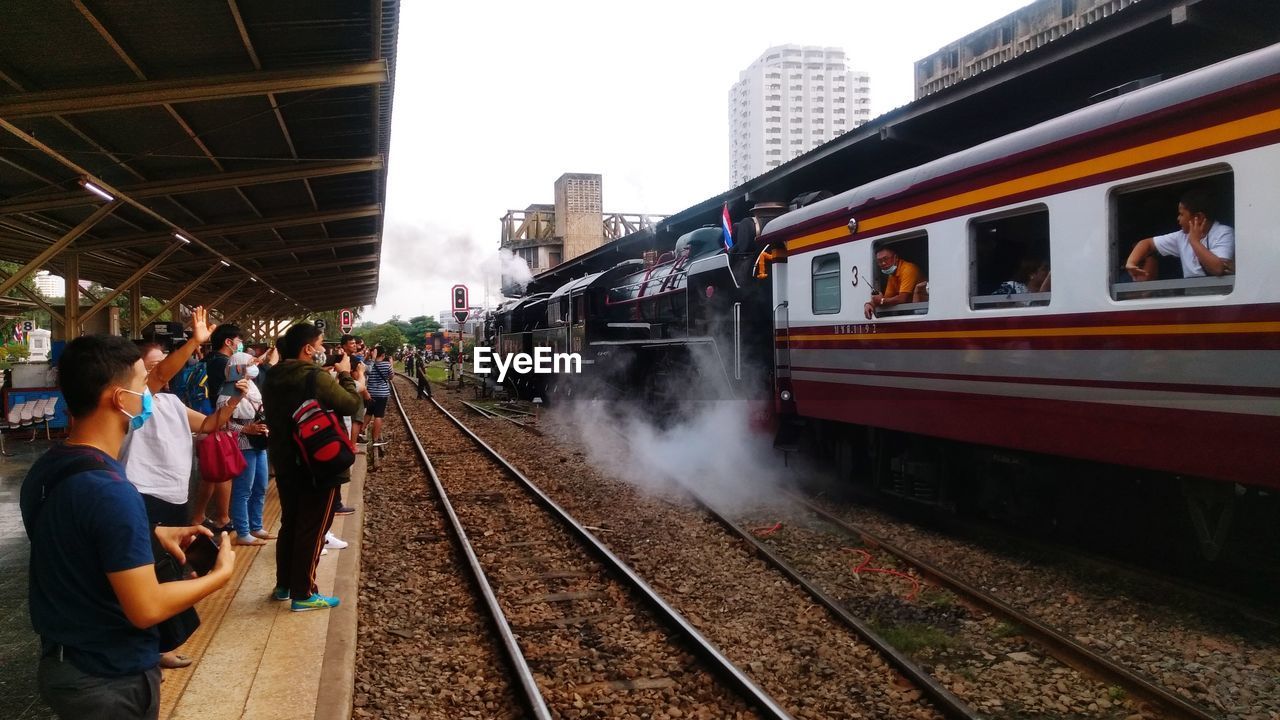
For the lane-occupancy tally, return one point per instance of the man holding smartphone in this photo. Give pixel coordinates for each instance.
(304, 507)
(94, 598)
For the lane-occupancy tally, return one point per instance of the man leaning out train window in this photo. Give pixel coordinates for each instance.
(1204, 245)
(901, 278)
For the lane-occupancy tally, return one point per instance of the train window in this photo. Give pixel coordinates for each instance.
(1151, 254)
(826, 284)
(907, 257)
(1009, 259)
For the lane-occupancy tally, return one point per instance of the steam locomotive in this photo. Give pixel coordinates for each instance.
(646, 325)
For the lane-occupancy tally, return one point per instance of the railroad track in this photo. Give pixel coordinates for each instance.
(760, 531)
(806, 521)
(577, 625)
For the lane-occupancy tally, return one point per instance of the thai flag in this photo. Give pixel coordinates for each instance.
(727, 226)
(17, 331)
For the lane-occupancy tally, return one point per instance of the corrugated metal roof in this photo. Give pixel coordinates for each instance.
(261, 130)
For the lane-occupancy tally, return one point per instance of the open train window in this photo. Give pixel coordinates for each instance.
(908, 257)
(1009, 259)
(1151, 253)
(826, 284)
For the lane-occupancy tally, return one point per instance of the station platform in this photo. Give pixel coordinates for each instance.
(253, 658)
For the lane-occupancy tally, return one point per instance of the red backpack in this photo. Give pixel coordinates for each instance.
(322, 439)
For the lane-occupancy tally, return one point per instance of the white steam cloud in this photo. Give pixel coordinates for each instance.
(422, 261)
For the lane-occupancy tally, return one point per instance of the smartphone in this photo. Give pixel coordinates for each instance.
(202, 553)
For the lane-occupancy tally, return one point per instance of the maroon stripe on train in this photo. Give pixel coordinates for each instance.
(1221, 446)
(1255, 312)
(1196, 114)
(1065, 382)
(1206, 341)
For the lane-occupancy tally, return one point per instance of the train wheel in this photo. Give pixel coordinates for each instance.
(1211, 508)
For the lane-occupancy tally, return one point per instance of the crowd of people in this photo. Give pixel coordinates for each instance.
(109, 507)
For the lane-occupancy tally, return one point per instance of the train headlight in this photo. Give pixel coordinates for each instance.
(786, 396)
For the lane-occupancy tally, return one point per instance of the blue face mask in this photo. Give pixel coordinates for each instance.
(239, 347)
(889, 270)
(137, 421)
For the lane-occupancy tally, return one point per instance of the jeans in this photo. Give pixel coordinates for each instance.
(77, 695)
(249, 493)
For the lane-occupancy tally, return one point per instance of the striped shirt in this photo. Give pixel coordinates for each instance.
(378, 379)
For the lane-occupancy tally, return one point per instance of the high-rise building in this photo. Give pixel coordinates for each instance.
(792, 99)
(49, 285)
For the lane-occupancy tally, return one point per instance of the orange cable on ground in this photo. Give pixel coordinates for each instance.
(864, 566)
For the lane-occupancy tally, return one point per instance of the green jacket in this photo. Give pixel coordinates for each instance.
(284, 390)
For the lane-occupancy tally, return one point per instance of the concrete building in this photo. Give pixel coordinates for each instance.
(545, 235)
(1021, 31)
(792, 99)
(50, 286)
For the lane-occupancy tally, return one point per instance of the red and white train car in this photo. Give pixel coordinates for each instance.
(1180, 375)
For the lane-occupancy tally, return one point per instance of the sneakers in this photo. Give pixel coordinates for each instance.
(344, 510)
(280, 593)
(315, 602)
(333, 542)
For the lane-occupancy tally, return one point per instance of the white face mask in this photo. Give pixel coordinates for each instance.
(251, 372)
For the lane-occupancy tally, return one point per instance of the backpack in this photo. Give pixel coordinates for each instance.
(324, 445)
(192, 385)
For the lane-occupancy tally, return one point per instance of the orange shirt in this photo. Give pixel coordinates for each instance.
(903, 280)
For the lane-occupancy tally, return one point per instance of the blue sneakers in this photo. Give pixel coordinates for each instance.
(280, 593)
(315, 602)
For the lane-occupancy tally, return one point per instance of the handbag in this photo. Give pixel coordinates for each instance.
(220, 457)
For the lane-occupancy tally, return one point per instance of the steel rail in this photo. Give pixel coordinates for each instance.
(758, 697)
(528, 685)
(947, 702)
(1063, 647)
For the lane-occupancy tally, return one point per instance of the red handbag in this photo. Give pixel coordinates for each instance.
(220, 456)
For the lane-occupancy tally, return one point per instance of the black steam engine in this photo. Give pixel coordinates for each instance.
(646, 325)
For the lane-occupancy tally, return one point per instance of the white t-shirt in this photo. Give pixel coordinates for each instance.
(157, 456)
(1221, 241)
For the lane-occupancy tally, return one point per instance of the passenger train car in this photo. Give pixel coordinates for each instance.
(1177, 375)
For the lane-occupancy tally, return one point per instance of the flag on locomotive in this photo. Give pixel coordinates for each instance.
(727, 225)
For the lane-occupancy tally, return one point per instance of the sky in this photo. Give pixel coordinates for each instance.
(494, 101)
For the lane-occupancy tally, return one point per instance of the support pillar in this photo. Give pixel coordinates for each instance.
(135, 311)
(71, 294)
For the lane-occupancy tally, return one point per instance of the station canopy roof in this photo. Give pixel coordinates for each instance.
(257, 131)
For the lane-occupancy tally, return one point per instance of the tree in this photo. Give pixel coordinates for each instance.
(387, 335)
(419, 326)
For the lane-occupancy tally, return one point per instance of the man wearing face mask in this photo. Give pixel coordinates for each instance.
(901, 277)
(93, 596)
(226, 340)
(304, 507)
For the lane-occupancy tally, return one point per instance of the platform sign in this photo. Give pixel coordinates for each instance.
(461, 303)
(346, 320)
(28, 326)
(321, 324)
